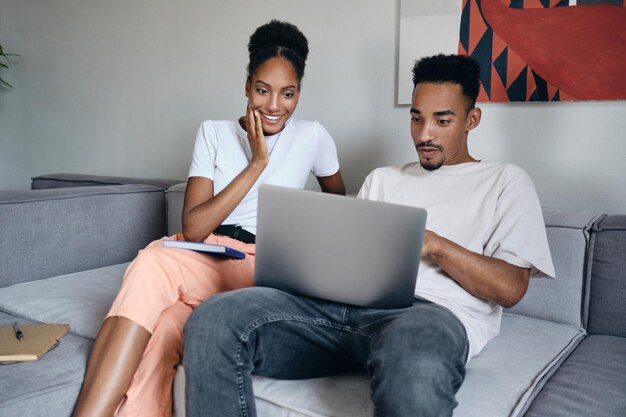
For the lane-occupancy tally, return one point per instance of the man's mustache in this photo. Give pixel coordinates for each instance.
(429, 144)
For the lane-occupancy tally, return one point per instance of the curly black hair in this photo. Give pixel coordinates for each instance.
(276, 39)
(455, 69)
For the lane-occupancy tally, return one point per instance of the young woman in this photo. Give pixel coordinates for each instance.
(132, 363)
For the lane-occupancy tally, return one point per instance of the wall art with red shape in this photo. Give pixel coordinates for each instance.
(547, 50)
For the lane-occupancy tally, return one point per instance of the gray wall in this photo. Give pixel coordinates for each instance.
(119, 87)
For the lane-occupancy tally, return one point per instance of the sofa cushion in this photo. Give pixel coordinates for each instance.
(84, 180)
(591, 382)
(46, 233)
(607, 283)
(80, 299)
(559, 299)
(47, 387)
(499, 381)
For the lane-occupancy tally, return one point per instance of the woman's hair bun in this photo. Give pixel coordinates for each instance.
(279, 34)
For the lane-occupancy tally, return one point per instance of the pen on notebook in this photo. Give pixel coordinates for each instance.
(18, 333)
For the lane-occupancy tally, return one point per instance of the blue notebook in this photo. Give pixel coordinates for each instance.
(208, 248)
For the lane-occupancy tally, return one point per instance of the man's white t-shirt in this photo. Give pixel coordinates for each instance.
(488, 208)
(222, 151)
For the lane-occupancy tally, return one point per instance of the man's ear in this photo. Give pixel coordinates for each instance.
(473, 118)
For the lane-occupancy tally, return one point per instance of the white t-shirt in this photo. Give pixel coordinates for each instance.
(488, 208)
(222, 151)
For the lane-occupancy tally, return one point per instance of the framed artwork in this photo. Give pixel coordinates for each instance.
(538, 50)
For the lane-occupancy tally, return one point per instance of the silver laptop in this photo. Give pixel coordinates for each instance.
(337, 248)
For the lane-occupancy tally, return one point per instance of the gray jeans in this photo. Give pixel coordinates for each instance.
(415, 357)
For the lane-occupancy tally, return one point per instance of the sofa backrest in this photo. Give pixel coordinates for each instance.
(561, 299)
(58, 231)
(63, 180)
(174, 199)
(606, 303)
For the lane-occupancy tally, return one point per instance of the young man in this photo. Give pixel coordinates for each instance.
(485, 237)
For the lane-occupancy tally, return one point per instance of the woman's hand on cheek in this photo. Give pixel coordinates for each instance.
(258, 145)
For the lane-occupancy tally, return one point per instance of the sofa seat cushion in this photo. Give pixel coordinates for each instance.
(499, 381)
(591, 382)
(80, 299)
(513, 367)
(47, 387)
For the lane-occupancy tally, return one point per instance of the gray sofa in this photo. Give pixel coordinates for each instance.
(560, 352)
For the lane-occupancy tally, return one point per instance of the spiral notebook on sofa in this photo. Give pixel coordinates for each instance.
(34, 342)
(338, 248)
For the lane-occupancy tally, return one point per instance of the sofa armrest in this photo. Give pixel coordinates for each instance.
(85, 180)
(58, 231)
(607, 280)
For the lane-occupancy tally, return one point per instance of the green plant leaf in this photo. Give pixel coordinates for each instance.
(5, 83)
(5, 56)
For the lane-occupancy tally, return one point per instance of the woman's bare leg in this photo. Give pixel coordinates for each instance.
(161, 276)
(150, 391)
(115, 356)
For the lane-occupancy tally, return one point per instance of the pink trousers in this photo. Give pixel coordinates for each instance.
(159, 291)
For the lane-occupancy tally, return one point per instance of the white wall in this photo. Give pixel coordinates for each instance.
(119, 87)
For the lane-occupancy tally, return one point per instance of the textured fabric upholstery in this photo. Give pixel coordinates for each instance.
(607, 299)
(48, 387)
(80, 299)
(83, 180)
(58, 231)
(174, 199)
(592, 382)
(560, 299)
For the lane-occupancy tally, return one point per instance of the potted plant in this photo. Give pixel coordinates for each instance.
(4, 63)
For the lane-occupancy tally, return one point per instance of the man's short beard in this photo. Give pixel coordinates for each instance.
(430, 144)
(431, 167)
